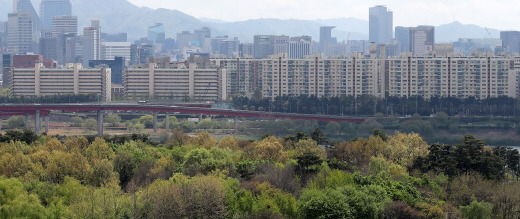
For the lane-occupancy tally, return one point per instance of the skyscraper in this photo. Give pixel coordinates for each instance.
(156, 33)
(299, 47)
(422, 40)
(64, 24)
(326, 38)
(52, 8)
(26, 6)
(266, 45)
(19, 33)
(511, 41)
(92, 42)
(402, 35)
(48, 46)
(380, 24)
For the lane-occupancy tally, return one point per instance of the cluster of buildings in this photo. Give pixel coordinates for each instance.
(45, 54)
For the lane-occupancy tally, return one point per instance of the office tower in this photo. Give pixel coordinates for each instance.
(202, 34)
(116, 66)
(246, 50)
(110, 50)
(380, 24)
(169, 44)
(66, 48)
(511, 41)
(229, 48)
(64, 24)
(422, 40)
(49, 46)
(52, 8)
(3, 36)
(118, 37)
(326, 38)
(402, 35)
(7, 62)
(26, 6)
(299, 47)
(266, 45)
(156, 33)
(92, 42)
(139, 54)
(185, 38)
(19, 33)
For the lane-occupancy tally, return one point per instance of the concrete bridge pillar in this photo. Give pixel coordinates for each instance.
(167, 122)
(200, 117)
(27, 121)
(155, 122)
(37, 122)
(236, 125)
(100, 115)
(47, 118)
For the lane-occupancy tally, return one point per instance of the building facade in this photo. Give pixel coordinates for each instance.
(176, 82)
(422, 40)
(19, 33)
(52, 8)
(405, 76)
(73, 79)
(380, 24)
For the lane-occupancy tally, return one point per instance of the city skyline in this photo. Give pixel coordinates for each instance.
(406, 12)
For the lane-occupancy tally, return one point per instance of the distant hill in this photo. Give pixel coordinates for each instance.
(453, 31)
(122, 16)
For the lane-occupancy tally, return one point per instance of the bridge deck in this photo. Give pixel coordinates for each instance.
(30, 108)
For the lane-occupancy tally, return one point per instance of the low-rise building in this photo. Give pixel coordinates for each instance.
(73, 79)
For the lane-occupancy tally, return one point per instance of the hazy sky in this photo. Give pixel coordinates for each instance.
(501, 14)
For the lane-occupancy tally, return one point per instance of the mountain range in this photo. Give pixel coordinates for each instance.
(121, 16)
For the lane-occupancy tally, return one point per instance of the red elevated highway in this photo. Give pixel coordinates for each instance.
(42, 109)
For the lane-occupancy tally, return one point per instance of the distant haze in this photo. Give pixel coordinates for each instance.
(499, 14)
(242, 18)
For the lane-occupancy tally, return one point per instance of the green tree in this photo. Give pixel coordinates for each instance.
(76, 121)
(113, 119)
(146, 120)
(15, 122)
(323, 204)
(476, 210)
(333, 128)
(91, 123)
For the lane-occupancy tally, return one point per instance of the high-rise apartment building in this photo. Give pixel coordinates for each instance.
(511, 41)
(404, 76)
(402, 35)
(64, 24)
(92, 42)
(73, 79)
(19, 33)
(52, 8)
(380, 24)
(156, 33)
(243, 76)
(422, 40)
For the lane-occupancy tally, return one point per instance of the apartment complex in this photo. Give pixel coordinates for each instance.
(243, 76)
(73, 79)
(405, 76)
(177, 81)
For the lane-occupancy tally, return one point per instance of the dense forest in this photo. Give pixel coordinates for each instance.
(297, 176)
(366, 105)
